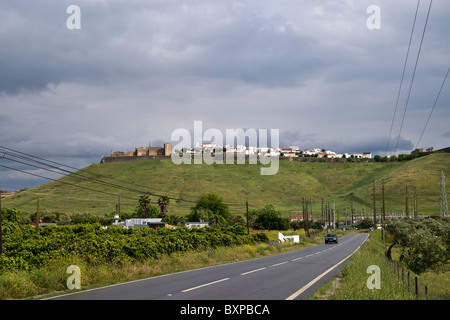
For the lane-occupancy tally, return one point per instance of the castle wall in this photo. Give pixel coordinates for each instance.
(113, 159)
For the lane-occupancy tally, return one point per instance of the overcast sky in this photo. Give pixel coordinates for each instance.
(138, 70)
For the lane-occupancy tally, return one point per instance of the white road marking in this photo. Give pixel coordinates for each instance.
(256, 270)
(206, 284)
(279, 264)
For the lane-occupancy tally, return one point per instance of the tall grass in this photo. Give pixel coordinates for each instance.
(351, 283)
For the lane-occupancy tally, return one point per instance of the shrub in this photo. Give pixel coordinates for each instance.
(24, 249)
(269, 219)
(366, 223)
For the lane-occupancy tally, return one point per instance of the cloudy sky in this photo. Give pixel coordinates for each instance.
(139, 69)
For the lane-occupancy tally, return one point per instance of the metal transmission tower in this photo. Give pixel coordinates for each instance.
(443, 207)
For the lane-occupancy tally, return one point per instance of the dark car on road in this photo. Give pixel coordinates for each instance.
(331, 237)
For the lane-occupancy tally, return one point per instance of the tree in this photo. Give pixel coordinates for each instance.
(163, 202)
(365, 223)
(210, 206)
(425, 245)
(297, 224)
(269, 219)
(174, 220)
(144, 202)
(415, 153)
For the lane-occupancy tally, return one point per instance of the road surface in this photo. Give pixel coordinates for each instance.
(287, 276)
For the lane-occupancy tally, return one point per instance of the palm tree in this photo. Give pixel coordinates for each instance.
(163, 202)
(144, 201)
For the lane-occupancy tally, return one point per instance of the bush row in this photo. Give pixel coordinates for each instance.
(24, 249)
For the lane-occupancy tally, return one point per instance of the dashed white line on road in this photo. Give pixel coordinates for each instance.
(256, 270)
(204, 285)
(279, 264)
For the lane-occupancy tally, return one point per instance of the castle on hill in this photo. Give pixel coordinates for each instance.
(141, 153)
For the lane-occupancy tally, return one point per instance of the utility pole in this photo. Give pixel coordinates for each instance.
(37, 216)
(1, 241)
(443, 206)
(334, 216)
(303, 210)
(322, 210)
(305, 217)
(248, 228)
(307, 220)
(416, 216)
(328, 214)
(351, 211)
(345, 214)
(374, 206)
(406, 202)
(383, 208)
(383, 215)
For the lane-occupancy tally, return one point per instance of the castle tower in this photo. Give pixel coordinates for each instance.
(167, 149)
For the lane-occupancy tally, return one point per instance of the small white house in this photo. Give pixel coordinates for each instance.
(191, 225)
(140, 222)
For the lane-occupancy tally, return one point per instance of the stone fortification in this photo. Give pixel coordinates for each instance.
(142, 153)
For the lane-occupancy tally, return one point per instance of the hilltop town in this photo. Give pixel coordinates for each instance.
(144, 153)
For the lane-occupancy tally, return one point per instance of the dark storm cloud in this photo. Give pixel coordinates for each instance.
(138, 40)
(139, 69)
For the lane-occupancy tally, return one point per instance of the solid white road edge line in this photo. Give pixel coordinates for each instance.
(301, 290)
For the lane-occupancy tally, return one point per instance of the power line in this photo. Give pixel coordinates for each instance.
(81, 176)
(26, 156)
(434, 105)
(63, 182)
(403, 75)
(414, 74)
(8, 152)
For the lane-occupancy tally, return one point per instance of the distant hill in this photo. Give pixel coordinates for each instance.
(95, 189)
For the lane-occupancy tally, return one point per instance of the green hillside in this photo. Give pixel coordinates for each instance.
(334, 182)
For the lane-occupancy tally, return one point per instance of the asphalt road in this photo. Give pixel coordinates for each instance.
(287, 276)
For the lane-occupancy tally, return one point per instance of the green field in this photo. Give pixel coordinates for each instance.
(340, 183)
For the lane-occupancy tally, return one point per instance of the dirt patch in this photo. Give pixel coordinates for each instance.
(334, 285)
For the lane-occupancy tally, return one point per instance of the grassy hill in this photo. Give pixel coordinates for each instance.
(334, 182)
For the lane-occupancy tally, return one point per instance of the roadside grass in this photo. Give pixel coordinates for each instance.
(351, 282)
(51, 280)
